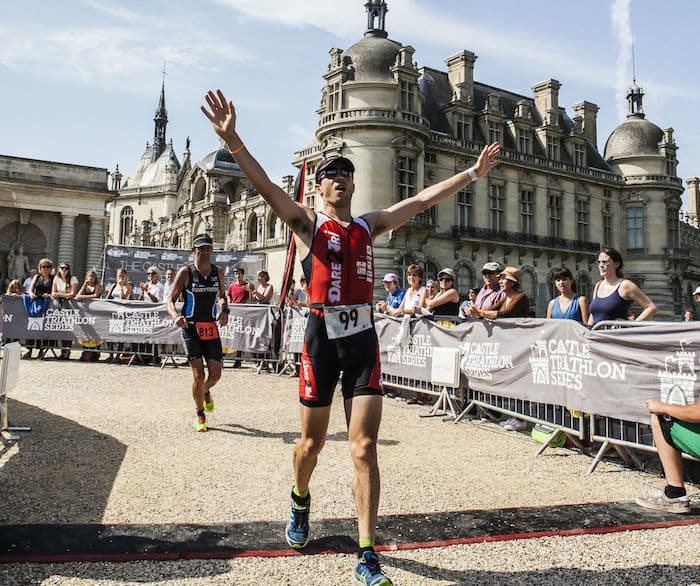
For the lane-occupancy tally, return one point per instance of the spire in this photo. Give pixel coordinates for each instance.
(376, 17)
(634, 96)
(161, 121)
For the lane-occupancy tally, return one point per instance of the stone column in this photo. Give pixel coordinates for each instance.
(66, 239)
(95, 243)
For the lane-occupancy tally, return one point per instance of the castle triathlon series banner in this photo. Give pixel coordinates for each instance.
(607, 372)
(249, 327)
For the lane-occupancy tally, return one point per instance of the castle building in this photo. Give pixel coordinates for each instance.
(554, 200)
(50, 210)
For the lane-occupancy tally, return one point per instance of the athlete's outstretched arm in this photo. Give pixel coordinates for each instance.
(222, 116)
(401, 212)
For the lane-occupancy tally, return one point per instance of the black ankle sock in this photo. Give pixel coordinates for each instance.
(301, 501)
(200, 413)
(674, 492)
(362, 550)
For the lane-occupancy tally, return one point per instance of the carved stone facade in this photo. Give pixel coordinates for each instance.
(51, 210)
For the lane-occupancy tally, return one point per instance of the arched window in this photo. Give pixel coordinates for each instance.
(232, 189)
(465, 280)
(126, 223)
(529, 287)
(200, 189)
(430, 270)
(584, 285)
(252, 232)
(275, 229)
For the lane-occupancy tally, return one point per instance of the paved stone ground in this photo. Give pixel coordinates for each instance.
(115, 445)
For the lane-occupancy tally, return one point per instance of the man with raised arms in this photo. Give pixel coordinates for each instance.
(337, 258)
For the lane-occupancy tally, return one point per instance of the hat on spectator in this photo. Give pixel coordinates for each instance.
(697, 291)
(447, 271)
(491, 267)
(202, 240)
(328, 161)
(512, 274)
(389, 277)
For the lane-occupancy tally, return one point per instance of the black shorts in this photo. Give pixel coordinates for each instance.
(196, 348)
(322, 360)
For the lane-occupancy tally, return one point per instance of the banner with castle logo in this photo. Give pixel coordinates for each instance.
(249, 328)
(137, 259)
(607, 372)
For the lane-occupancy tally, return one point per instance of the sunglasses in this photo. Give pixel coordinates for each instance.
(602, 261)
(333, 172)
(485, 273)
(45, 266)
(63, 268)
(151, 273)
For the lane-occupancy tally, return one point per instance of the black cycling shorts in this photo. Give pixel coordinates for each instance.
(196, 348)
(322, 360)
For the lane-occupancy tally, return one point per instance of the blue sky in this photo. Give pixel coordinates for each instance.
(80, 79)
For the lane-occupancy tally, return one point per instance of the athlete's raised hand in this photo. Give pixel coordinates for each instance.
(487, 160)
(221, 114)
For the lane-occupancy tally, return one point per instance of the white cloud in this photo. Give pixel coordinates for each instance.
(113, 57)
(622, 27)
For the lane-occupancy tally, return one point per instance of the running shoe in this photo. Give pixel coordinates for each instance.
(297, 530)
(200, 423)
(661, 502)
(516, 425)
(208, 405)
(369, 572)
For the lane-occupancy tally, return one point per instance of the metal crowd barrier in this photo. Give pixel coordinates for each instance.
(621, 435)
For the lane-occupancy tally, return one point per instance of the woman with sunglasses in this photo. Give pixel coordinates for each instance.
(152, 290)
(40, 288)
(613, 294)
(65, 286)
(446, 301)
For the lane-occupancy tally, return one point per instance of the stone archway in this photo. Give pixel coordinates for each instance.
(29, 237)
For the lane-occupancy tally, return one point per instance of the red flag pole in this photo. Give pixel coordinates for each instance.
(291, 243)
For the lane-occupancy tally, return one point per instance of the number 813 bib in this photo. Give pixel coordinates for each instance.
(343, 321)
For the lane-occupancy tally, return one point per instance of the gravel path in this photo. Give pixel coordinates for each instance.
(115, 444)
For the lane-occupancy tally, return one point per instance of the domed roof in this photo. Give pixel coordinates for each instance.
(220, 159)
(151, 173)
(372, 57)
(635, 137)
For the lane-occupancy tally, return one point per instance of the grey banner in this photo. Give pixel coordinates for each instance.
(249, 328)
(294, 328)
(136, 259)
(607, 373)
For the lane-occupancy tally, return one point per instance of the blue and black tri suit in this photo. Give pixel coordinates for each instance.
(201, 336)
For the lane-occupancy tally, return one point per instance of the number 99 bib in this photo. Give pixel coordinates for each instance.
(343, 321)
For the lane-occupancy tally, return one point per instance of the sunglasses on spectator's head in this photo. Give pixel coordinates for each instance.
(333, 172)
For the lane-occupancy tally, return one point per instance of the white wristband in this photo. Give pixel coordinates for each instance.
(472, 174)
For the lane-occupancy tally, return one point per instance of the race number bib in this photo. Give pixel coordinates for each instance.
(346, 320)
(206, 330)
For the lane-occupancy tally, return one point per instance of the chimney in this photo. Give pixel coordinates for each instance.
(547, 101)
(588, 111)
(693, 189)
(460, 72)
